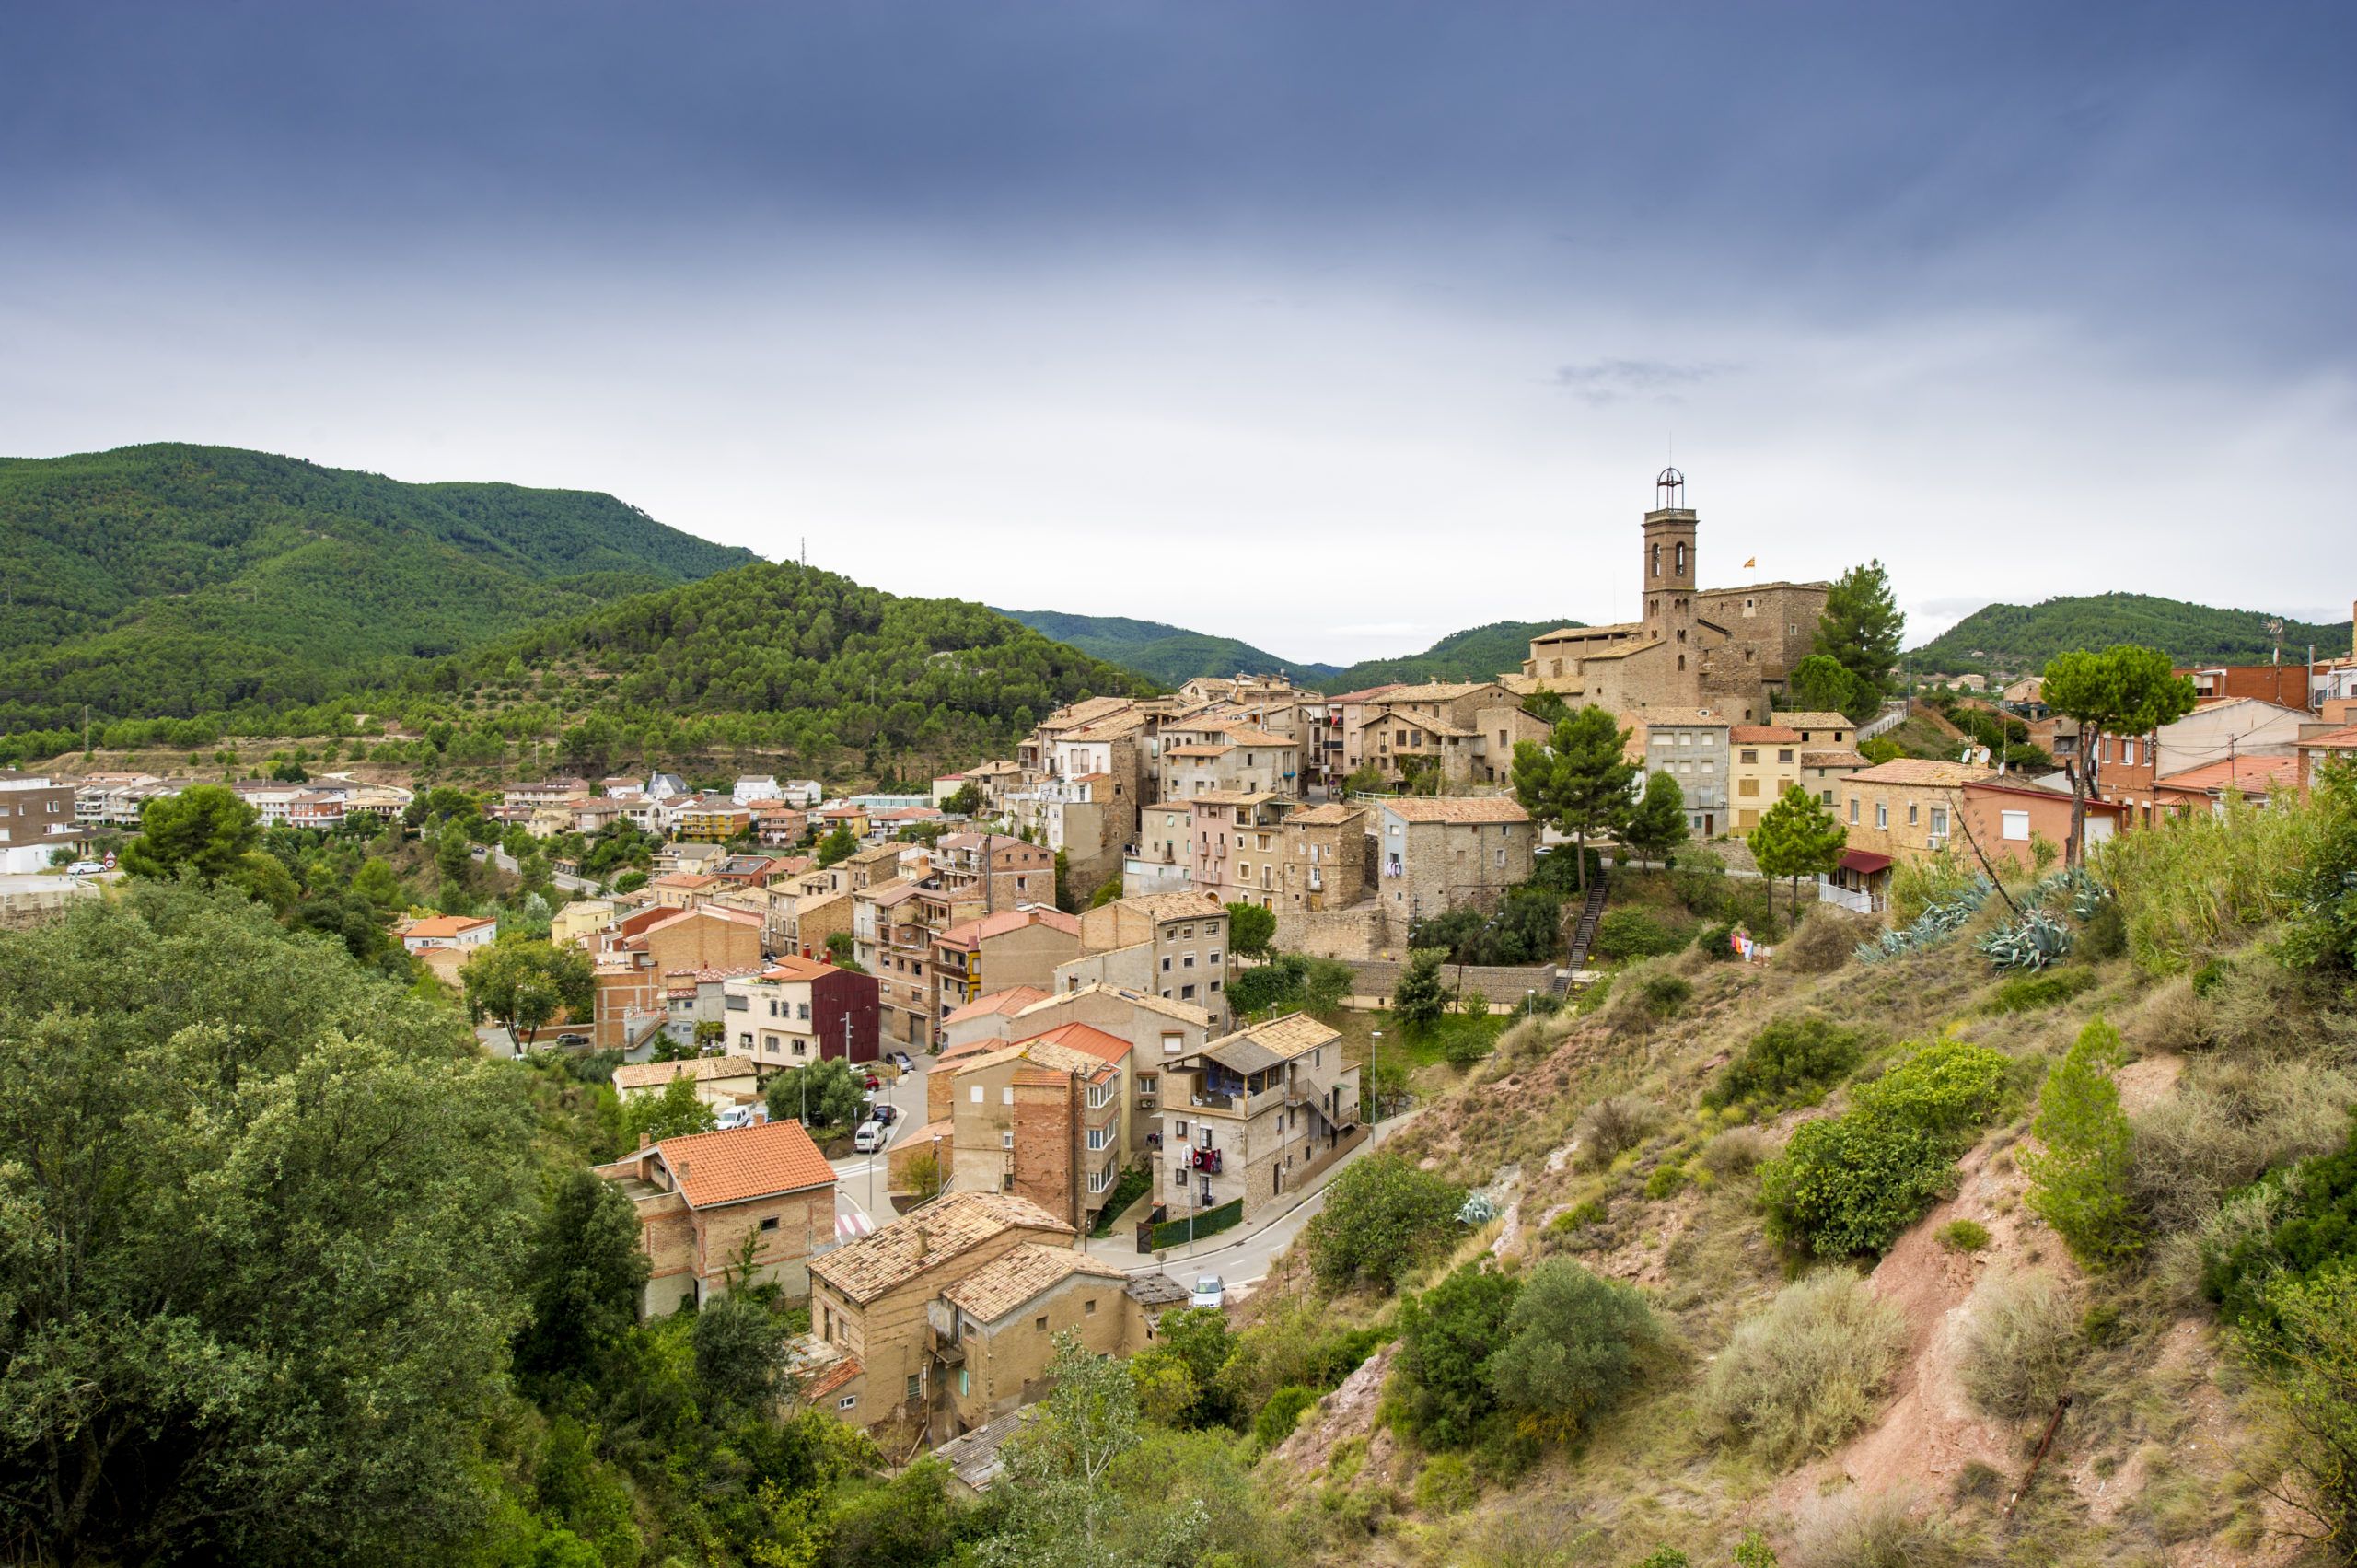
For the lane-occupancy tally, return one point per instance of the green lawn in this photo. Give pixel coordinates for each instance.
(1424, 1048)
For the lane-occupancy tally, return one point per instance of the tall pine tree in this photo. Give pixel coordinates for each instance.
(1860, 630)
(1579, 782)
(1796, 838)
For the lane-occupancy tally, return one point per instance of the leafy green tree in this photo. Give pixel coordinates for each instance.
(1250, 929)
(2304, 1342)
(1579, 782)
(674, 1112)
(839, 844)
(1797, 837)
(1195, 1339)
(1062, 1511)
(1572, 1345)
(739, 1349)
(1657, 829)
(1822, 684)
(1420, 998)
(1364, 779)
(1106, 891)
(966, 800)
(377, 882)
(2079, 1179)
(523, 984)
(205, 829)
(1449, 1336)
(1791, 1057)
(839, 947)
(2124, 690)
(825, 1094)
(259, 1214)
(582, 1277)
(1382, 1218)
(1860, 629)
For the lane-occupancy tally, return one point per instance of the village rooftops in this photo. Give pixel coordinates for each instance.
(952, 1224)
(1004, 1002)
(1227, 798)
(1175, 906)
(1333, 814)
(1367, 695)
(1437, 691)
(1040, 1051)
(446, 925)
(2244, 776)
(999, 924)
(794, 967)
(1482, 809)
(742, 1162)
(701, 1069)
(1085, 1039)
(1933, 772)
(1020, 1273)
(1682, 718)
(1257, 737)
(1183, 1012)
(1831, 760)
(1815, 721)
(1265, 1045)
(1763, 735)
(1198, 750)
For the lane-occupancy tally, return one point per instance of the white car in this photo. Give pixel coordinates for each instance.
(84, 868)
(1210, 1291)
(732, 1117)
(869, 1138)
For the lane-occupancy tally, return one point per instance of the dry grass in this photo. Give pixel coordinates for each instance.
(1885, 1529)
(1805, 1371)
(1612, 1126)
(2232, 1119)
(2021, 1344)
(1826, 938)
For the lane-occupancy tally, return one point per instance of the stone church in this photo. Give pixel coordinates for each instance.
(1723, 650)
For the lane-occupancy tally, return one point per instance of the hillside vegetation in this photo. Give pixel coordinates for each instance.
(179, 580)
(1169, 656)
(2023, 638)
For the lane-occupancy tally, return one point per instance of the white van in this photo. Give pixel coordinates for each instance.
(869, 1138)
(732, 1116)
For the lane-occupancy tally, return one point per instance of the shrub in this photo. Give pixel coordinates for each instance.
(1885, 1530)
(1382, 1218)
(1282, 1413)
(1446, 1485)
(1571, 1351)
(2020, 1345)
(1448, 1336)
(1949, 1089)
(2048, 988)
(2079, 1181)
(1664, 994)
(1787, 1062)
(1666, 1557)
(1634, 934)
(1964, 1235)
(1716, 943)
(1733, 1152)
(2103, 934)
(2229, 1122)
(1802, 1372)
(2315, 1227)
(1590, 1211)
(1823, 943)
(1611, 1127)
(1666, 1181)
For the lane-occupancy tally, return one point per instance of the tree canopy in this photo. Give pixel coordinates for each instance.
(1578, 783)
(1860, 630)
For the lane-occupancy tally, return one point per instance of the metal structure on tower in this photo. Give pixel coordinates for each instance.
(1669, 491)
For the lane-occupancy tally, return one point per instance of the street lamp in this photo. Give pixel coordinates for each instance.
(1530, 1002)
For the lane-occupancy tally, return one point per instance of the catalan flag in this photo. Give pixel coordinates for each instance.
(1751, 564)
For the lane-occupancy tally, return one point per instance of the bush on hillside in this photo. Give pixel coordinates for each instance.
(2021, 1342)
(1804, 1371)
(1448, 1336)
(1789, 1062)
(1282, 1413)
(1733, 1153)
(1634, 934)
(2079, 1180)
(1572, 1345)
(1382, 1218)
(2315, 1228)
(1824, 942)
(1884, 1529)
(2048, 988)
(2230, 1121)
(1663, 995)
(1611, 1127)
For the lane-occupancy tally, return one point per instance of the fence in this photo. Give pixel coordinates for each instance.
(1211, 1222)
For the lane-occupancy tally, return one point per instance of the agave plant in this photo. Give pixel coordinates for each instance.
(2037, 940)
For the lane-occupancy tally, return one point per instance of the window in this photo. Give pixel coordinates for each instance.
(1185, 994)
(915, 1385)
(1088, 1308)
(846, 1401)
(965, 1381)
(2015, 825)
(1006, 1140)
(1686, 738)
(1882, 814)
(769, 1224)
(1214, 959)
(1173, 1041)
(1748, 754)
(1039, 1325)
(1911, 813)
(1853, 811)
(1681, 560)
(1165, 963)
(1939, 823)
(977, 1094)
(1784, 753)
(1006, 1095)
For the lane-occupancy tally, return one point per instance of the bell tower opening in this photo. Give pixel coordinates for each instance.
(1669, 559)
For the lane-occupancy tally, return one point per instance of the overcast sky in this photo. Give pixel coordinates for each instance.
(1335, 328)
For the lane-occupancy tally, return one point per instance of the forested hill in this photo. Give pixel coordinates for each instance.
(1170, 655)
(2016, 637)
(1479, 653)
(175, 580)
(776, 655)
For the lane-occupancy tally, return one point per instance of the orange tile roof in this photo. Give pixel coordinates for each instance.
(1831, 760)
(1084, 1038)
(1331, 814)
(1817, 720)
(1011, 1001)
(745, 1162)
(2333, 740)
(1932, 771)
(648, 1074)
(2251, 776)
(1763, 735)
(1484, 810)
(970, 932)
(836, 1374)
(925, 1239)
(446, 925)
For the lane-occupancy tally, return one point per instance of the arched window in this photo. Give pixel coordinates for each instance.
(1681, 560)
(1656, 560)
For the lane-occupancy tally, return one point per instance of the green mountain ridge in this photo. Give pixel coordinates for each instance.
(2022, 637)
(174, 579)
(1172, 655)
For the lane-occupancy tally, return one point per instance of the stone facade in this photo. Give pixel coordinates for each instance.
(1435, 854)
(1254, 1114)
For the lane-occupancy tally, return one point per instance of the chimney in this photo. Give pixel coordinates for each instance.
(645, 1140)
(922, 1240)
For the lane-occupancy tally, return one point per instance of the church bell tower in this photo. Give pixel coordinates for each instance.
(1669, 568)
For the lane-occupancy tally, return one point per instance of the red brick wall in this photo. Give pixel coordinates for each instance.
(1045, 1118)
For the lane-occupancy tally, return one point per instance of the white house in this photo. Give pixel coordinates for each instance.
(463, 932)
(756, 788)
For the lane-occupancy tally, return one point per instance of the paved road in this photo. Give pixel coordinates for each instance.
(506, 862)
(861, 1179)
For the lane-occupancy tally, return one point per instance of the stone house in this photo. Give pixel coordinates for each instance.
(1820, 731)
(1766, 763)
(1017, 947)
(1824, 772)
(1331, 732)
(720, 1081)
(1164, 861)
(1435, 854)
(1691, 747)
(1254, 1114)
(877, 1354)
(1045, 1118)
(1236, 761)
(1158, 1031)
(1167, 945)
(802, 1010)
(1324, 859)
(701, 1197)
(1234, 846)
(997, 1327)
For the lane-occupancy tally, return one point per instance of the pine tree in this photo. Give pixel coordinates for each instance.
(2079, 1181)
(1578, 783)
(1420, 998)
(1796, 838)
(1860, 628)
(2124, 690)
(1657, 829)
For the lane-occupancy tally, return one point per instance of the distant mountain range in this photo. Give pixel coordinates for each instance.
(1173, 655)
(2023, 638)
(172, 580)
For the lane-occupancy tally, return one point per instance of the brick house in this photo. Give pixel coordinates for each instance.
(2008, 815)
(878, 1355)
(1046, 1118)
(1435, 854)
(465, 933)
(1253, 1114)
(634, 957)
(700, 1198)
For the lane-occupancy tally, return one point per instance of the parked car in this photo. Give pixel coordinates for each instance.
(874, 1082)
(869, 1138)
(573, 1039)
(85, 868)
(1210, 1291)
(885, 1112)
(732, 1116)
(900, 1059)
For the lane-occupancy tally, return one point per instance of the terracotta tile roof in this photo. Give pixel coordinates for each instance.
(2251, 776)
(446, 925)
(1438, 691)
(1332, 814)
(999, 924)
(1040, 1078)
(1932, 770)
(1477, 808)
(1831, 760)
(835, 1374)
(1230, 798)
(1062, 1060)
(1184, 1012)
(926, 1238)
(924, 1134)
(1366, 694)
(794, 966)
(703, 1069)
(1815, 721)
(1087, 1039)
(1293, 1034)
(683, 879)
(745, 1162)
(1199, 751)
(1173, 906)
(1011, 1001)
(1257, 737)
(1763, 735)
(2333, 740)
(1020, 1273)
